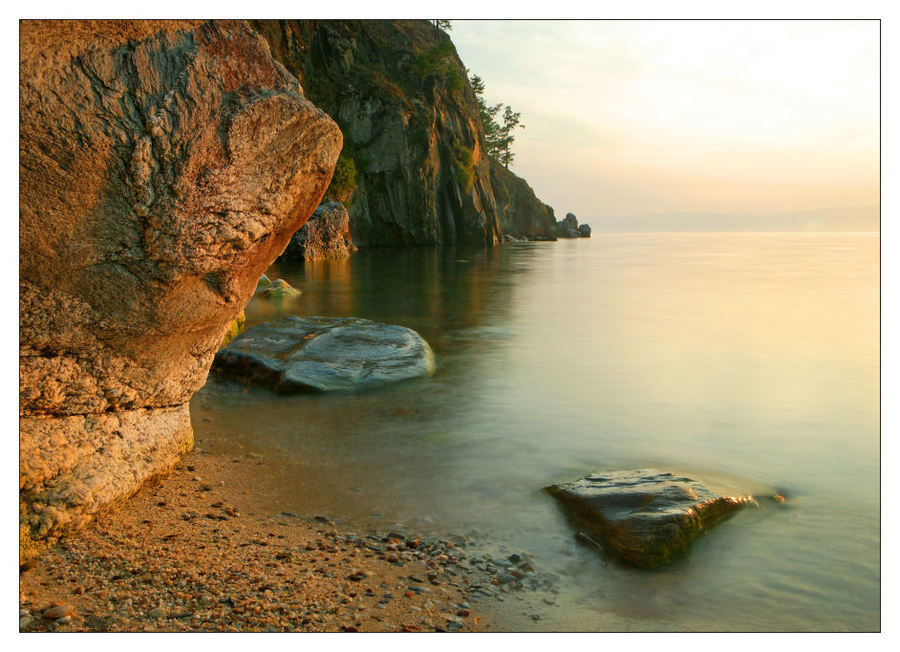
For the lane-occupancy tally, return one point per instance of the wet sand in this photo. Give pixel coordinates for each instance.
(205, 550)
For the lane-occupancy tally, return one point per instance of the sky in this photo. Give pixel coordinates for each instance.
(646, 117)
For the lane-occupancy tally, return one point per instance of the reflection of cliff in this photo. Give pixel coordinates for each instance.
(412, 133)
(435, 291)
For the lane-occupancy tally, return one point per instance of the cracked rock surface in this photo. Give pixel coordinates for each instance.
(645, 517)
(163, 166)
(321, 354)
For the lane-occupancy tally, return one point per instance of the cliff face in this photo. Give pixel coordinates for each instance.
(414, 157)
(163, 166)
(522, 214)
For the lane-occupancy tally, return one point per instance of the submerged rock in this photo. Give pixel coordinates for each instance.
(301, 354)
(276, 289)
(325, 235)
(646, 517)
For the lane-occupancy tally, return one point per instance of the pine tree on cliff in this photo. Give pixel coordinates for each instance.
(440, 25)
(498, 136)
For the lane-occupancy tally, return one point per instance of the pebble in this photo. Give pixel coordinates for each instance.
(145, 590)
(58, 611)
(158, 612)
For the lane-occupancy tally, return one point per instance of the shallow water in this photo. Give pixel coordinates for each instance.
(747, 360)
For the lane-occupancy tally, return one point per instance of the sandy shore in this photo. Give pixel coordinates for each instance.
(201, 551)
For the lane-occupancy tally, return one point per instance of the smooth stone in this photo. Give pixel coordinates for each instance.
(302, 354)
(645, 517)
(58, 611)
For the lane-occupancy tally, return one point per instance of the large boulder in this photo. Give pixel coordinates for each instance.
(303, 354)
(163, 166)
(645, 517)
(325, 235)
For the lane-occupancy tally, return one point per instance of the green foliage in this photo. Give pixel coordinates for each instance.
(441, 24)
(497, 133)
(463, 165)
(343, 182)
(439, 62)
(453, 79)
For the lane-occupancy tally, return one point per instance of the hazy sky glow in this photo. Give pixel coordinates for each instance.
(638, 117)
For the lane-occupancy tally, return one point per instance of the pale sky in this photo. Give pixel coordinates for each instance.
(640, 117)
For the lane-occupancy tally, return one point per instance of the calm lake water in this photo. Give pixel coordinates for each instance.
(747, 360)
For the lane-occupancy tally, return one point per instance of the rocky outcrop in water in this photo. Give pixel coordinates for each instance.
(569, 228)
(163, 166)
(645, 517)
(414, 168)
(325, 235)
(308, 354)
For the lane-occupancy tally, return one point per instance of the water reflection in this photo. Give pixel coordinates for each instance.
(748, 359)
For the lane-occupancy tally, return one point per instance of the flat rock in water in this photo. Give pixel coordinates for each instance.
(302, 354)
(646, 517)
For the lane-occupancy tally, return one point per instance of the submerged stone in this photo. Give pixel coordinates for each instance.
(645, 517)
(302, 354)
(276, 289)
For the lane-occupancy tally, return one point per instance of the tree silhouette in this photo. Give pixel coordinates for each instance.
(498, 136)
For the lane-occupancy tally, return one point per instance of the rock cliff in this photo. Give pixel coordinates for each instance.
(522, 214)
(414, 168)
(163, 166)
(325, 235)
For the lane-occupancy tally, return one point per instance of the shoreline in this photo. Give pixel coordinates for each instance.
(200, 550)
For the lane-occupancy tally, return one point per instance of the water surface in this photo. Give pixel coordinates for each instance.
(748, 360)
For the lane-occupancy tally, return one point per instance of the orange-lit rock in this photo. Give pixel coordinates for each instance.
(645, 517)
(163, 166)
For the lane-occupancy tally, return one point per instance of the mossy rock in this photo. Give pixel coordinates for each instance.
(263, 282)
(279, 288)
(235, 327)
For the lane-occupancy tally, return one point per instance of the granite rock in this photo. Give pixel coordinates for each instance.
(163, 166)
